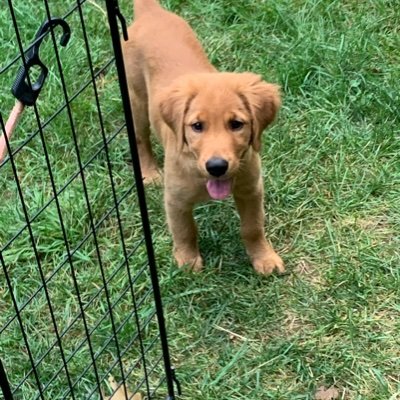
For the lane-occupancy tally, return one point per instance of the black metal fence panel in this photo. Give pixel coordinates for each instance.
(79, 294)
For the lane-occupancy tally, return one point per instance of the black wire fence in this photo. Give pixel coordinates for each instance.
(80, 302)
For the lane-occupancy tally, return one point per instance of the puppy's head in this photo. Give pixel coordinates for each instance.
(219, 117)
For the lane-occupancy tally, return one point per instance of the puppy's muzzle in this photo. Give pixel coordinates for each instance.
(216, 166)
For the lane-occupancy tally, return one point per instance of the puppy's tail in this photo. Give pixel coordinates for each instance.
(143, 6)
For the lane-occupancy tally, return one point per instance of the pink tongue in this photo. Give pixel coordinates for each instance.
(219, 190)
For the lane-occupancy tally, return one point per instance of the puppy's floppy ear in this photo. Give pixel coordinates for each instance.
(174, 102)
(263, 101)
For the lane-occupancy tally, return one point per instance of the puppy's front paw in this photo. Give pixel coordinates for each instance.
(193, 262)
(268, 263)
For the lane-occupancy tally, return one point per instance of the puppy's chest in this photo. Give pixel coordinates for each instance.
(182, 177)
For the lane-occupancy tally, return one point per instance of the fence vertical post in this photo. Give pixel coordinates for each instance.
(114, 13)
(4, 385)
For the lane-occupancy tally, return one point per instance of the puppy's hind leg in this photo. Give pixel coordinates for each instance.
(139, 106)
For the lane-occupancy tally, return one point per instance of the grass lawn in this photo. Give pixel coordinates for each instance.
(332, 180)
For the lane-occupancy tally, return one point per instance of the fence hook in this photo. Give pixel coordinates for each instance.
(25, 93)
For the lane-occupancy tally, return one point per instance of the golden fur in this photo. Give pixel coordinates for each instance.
(208, 122)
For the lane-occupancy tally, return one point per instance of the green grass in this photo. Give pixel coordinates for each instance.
(332, 179)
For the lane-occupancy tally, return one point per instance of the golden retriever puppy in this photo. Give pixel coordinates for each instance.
(210, 124)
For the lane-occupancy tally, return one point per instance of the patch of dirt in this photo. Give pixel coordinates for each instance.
(326, 394)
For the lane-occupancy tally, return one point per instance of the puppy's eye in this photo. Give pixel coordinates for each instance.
(197, 127)
(236, 125)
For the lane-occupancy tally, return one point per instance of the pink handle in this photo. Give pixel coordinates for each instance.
(10, 126)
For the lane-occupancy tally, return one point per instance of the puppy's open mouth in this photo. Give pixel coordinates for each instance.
(219, 189)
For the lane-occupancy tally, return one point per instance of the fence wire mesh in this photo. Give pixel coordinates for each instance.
(79, 298)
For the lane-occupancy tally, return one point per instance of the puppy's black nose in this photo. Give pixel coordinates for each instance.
(216, 166)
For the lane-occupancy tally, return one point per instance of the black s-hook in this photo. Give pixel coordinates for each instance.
(25, 93)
